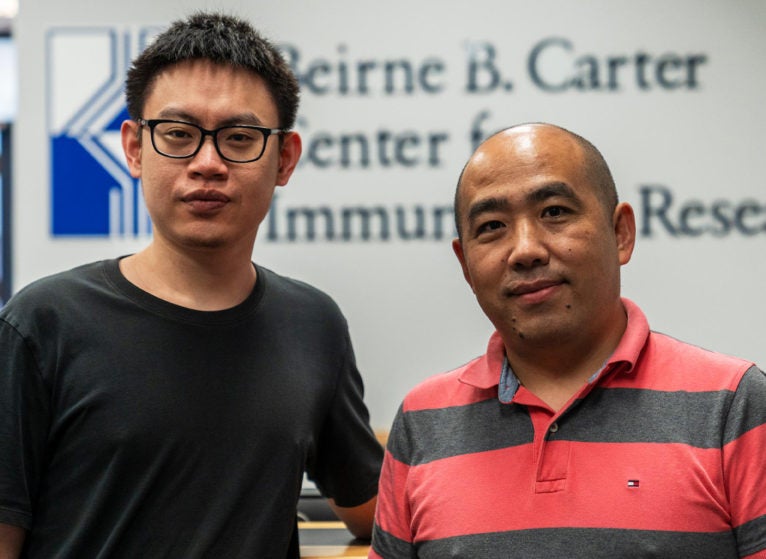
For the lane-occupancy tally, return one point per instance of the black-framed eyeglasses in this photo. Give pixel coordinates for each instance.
(242, 143)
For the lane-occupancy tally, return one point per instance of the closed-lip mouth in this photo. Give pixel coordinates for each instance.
(524, 287)
(205, 196)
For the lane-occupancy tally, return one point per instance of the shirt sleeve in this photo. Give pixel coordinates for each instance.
(23, 427)
(743, 463)
(392, 534)
(349, 455)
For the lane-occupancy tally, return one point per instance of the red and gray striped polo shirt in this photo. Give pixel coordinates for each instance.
(661, 454)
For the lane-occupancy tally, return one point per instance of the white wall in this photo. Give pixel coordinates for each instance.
(683, 118)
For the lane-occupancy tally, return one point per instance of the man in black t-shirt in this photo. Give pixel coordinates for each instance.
(167, 403)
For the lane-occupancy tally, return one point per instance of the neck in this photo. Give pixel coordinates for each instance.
(556, 370)
(203, 280)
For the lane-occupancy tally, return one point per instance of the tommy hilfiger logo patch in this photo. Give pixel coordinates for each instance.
(633, 483)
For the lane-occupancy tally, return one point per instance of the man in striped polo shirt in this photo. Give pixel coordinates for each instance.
(580, 432)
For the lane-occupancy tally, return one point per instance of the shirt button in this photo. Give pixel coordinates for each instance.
(554, 428)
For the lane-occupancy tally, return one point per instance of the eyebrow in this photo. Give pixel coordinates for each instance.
(242, 118)
(540, 194)
(485, 206)
(551, 190)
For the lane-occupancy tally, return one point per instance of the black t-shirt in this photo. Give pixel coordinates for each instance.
(132, 427)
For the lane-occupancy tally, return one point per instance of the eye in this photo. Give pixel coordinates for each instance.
(555, 211)
(238, 136)
(489, 226)
(177, 133)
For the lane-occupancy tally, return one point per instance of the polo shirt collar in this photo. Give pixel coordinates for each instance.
(484, 372)
(492, 368)
(633, 341)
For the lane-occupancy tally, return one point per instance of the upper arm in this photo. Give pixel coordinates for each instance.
(24, 427)
(358, 519)
(345, 464)
(744, 441)
(393, 531)
(11, 540)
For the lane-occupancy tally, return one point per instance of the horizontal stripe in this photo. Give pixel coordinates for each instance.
(392, 511)
(625, 415)
(692, 418)
(585, 543)
(387, 545)
(418, 437)
(751, 536)
(616, 415)
(748, 409)
(680, 488)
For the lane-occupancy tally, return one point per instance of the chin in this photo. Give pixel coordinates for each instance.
(205, 242)
(539, 331)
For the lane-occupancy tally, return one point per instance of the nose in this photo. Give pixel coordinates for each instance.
(529, 247)
(207, 161)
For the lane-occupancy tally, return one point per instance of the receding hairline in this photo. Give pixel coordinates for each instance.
(595, 167)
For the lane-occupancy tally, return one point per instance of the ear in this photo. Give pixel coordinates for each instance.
(624, 221)
(289, 155)
(457, 248)
(131, 145)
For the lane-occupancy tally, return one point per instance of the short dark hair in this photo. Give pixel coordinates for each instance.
(221, 39)
(598, 172)
(595, 167)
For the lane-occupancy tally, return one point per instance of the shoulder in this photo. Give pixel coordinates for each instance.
(54, 289)
(670, 349)
(81, 275)
(39, 306)
(287, 288)
(297, 301)
(448, 390)
(696, 366)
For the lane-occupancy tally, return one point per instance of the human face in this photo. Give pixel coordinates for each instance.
(205, 202)
(539, 248)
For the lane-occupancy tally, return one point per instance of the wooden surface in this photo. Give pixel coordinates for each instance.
(323, 540)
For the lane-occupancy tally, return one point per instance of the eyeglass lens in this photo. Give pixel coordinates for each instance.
(236, 143)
